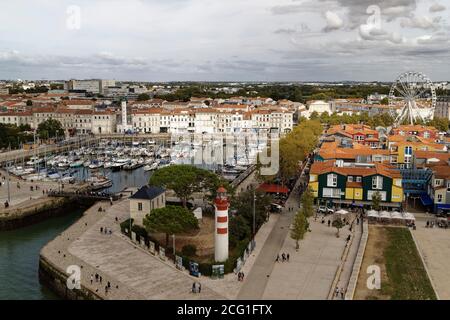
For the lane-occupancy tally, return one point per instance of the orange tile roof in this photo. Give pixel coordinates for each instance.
(378, 168)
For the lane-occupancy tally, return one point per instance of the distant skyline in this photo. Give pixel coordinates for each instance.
(233, 40)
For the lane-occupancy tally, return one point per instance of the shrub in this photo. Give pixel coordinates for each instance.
(140, 232)
(126, 225)
(189, 250)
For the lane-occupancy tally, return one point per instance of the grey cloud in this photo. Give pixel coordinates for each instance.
(436, 7)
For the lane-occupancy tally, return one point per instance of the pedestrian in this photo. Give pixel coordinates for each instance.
(329, 222)
(101, 229)
(287, 257)
(283, 257)
(106, 289)
(342, 293)
(110, 231)
(117, 219)
(92, 278)
(278, 258)
(100, 279)
(193, 288)
(199, 287)
(109, 284)
(242, 276)
(336, 292)
(96, 277)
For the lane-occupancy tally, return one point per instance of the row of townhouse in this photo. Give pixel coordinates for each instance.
(422, 165)
(209, 120)
(72, 121)
(334, 184)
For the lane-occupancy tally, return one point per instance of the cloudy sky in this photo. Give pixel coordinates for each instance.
(260, 40)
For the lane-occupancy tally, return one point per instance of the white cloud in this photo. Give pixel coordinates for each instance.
(334, 22)
(423, 22)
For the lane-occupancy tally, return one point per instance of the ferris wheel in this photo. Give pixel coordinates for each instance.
(412, 98)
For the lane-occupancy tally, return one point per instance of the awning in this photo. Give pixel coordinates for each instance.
(426, 200)
(273, 188)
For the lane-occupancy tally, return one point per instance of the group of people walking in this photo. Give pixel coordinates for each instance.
(241, 276)
(284, 257)
(98, 279)
(340, 292)
(105, 230)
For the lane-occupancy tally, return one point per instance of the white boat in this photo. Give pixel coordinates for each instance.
(151, 167)
(34, 161)
(76, 164)
(96, 165)
(99, 182)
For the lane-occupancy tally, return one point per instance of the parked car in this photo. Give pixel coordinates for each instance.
(325, 210)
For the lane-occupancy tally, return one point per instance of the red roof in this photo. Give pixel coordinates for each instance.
(273, 188)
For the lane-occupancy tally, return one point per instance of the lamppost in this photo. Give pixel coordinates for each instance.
(254, 214)
(174, 251)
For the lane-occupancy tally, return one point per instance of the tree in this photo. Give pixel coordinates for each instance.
(307, 202)
(376, 200)
(338, 224)
(441, 124)
(184, 180)
(243, 204)
(143, 97)
(50, 128)
(170, 220)
(299, 227)
(239, 230)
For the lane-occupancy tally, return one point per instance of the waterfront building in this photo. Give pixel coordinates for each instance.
(144, 201)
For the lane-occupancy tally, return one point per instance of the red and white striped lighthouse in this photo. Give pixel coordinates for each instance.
(221, 231)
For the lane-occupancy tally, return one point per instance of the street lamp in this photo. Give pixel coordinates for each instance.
(254, 214)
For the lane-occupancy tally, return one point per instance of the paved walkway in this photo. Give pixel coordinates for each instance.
(310, 272)
(350, 257)
(434, 245)
(258, 278)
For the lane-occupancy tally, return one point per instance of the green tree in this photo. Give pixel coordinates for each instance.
(243, 204)
(143, 97)
(307, 202)
(376, 200)
(170, 220)
(299, 227)
(338, 224)
(239, 230)
(184, 180)
(50, 128)
(442, 124)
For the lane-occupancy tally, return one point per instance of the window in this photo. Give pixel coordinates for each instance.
(350, 178)
(331, 193)
(437, 182)
(439, 198)
(358, 179)
(377, 183)
(332, 180)
(408, 151)
(448, 186)
(139, 206)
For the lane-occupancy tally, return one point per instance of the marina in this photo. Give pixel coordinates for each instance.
(113, 165)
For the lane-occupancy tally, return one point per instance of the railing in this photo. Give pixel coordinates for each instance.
(85, 195)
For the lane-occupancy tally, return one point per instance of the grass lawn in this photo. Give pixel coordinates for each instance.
(407, 278)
